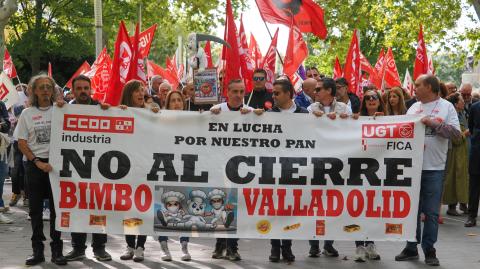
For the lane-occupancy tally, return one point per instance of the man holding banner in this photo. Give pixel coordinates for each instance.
(236, 94)
(33, 132)
(441, 121)
(81, 87)
(283, 98)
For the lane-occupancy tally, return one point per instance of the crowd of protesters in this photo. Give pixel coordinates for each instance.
(450, 173)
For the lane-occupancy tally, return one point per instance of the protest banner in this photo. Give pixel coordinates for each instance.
(230, 175)
(206, 86)
(8, 94)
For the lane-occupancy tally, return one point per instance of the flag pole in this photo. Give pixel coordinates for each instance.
(269, 33)
(271, 38)
(18, 78)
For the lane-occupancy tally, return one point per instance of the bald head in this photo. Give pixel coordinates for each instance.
(466, 92)
(308, 87)
(427, 88)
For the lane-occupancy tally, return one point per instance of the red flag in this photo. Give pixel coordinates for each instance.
(99, 75)
(378, 65)
(171, 68)
(366, 66)
(245, 60)
(208, 53)
(256, 54)
(8, 66)
(145, 41)
(391, 73)
(352, 67)
(231, 56)
(50, 70)
(337, 70)
(378, 77)
(136, 71)
(408, 83)
(154, 69)
(431, 69)
(122, 59)
(84, 68)
(297, 51)
(268, 62)
(421, 59)
(307, 14)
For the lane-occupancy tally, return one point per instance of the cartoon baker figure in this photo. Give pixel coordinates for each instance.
(173, 213)
(222, 212)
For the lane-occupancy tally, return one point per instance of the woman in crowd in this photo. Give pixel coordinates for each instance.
(456, 178)
(395, 102)
(133, 95)
(372, 105)
(174, 101)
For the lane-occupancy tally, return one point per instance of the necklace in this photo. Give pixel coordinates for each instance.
(44, 108)
(433, 109)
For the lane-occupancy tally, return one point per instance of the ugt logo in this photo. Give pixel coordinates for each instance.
(394, 130)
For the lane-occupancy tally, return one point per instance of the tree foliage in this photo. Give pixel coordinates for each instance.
(386, 23)
(63, 31)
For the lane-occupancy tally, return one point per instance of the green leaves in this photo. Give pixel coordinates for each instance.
(385, 23)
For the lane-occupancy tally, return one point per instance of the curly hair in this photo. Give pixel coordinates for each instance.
(32, 85)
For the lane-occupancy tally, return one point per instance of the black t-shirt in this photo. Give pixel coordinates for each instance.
(260, 99)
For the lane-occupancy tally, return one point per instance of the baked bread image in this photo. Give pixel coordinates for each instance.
(351, 228)
(292, 227)
(132, 222)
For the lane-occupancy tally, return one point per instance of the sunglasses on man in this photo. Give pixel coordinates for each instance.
(258, 78)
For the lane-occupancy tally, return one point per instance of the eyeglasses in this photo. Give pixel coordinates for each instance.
(317, 89)
(371, 97)
(258, 78)
(45, 87)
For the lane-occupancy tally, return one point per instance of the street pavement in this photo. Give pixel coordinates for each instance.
(457, 248)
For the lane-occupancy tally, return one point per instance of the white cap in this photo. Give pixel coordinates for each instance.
(216, 194)
(172, 196)
(197, 194)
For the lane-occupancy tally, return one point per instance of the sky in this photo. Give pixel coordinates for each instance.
(253, 23)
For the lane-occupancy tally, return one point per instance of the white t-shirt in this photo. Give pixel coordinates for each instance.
(436, 147)
(339, 108)
(291, 109)
(34, 127)
(224, 107)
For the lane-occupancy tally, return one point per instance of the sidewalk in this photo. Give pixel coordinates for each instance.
(458, 248)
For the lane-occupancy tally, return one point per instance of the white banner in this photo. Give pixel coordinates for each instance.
(8, 93)
(230, 175)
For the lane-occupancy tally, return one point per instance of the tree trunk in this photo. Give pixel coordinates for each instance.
(37, 38)
(476, 5)
(8, 7)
